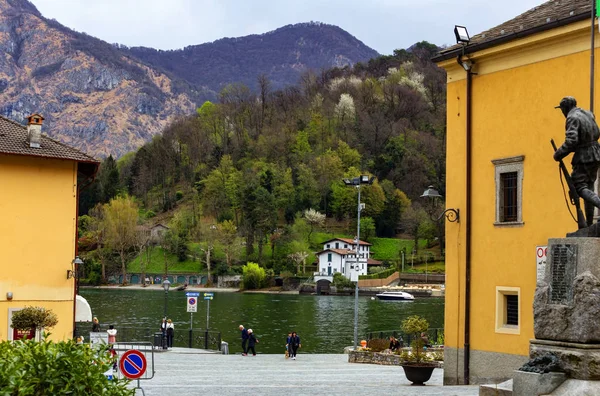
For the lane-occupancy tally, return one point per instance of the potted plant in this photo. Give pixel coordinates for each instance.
(417, 364)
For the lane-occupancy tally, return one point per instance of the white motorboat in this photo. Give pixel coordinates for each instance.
(395, 296)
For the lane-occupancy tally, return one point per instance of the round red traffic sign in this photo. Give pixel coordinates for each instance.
(192, 301)
(133, 364)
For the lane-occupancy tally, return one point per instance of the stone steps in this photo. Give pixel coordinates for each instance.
(501, 389)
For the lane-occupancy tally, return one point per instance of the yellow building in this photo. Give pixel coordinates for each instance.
(501, 91)
(40, 180)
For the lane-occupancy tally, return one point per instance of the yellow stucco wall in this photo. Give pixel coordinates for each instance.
(37, 237)
(512, 114)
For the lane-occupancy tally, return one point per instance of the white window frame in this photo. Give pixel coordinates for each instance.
(501, 326)
(508, 165)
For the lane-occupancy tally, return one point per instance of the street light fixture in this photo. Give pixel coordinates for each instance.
(356, 182)
(452, 215)
(72, 273)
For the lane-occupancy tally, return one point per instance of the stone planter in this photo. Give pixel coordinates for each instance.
(418, 375)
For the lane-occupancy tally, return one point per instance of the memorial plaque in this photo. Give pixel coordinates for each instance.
(563, 271)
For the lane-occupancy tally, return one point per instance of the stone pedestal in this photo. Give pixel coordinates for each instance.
(566, 316)
(566, 306)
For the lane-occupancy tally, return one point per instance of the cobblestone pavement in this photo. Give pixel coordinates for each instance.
(212, 374)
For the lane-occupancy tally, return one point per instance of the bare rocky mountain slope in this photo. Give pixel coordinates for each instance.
(107, 99)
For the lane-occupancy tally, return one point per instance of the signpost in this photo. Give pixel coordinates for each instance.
(207, 297)
(133, 364)
(192, 306)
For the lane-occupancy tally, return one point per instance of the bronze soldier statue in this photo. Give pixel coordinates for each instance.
(581, 138)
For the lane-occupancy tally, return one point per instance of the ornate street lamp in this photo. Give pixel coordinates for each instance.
(356, 182)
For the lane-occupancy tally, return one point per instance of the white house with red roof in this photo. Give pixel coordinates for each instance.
(341, 255)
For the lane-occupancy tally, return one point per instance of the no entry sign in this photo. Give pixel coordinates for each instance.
(133, 364)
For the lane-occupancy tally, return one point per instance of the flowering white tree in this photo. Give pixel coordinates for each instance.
(345, 109)
(313, 218)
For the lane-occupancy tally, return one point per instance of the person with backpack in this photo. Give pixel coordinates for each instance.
(294, 344)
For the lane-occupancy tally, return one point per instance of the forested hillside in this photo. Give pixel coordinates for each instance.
(251, 164)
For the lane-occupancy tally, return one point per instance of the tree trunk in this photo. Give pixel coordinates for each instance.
(123, 266)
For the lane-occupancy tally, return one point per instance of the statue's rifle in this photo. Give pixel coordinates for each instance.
(572, 191)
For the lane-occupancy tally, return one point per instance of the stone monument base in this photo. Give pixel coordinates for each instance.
(578, 361)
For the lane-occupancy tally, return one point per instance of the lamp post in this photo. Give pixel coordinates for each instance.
(166, 285)
(452, 215)
(356, 182)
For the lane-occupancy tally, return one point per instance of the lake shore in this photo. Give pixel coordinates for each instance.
(190, 288)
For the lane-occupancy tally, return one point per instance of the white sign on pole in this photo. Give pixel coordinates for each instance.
(192, 304)
(540, 259)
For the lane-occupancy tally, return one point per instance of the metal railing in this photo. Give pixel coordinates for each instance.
(433, 335)
(185, 338)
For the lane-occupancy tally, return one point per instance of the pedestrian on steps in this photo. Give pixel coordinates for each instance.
(244, 340)
(251, 341)
(294, 344)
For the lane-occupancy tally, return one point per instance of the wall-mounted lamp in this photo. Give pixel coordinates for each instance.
(461, 34)
(9, 296)
(452, 215)
(72, 273)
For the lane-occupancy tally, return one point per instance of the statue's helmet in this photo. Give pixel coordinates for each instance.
(567, 103)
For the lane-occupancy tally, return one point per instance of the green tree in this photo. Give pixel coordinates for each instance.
(367, 228)
(254, 276)
(120, 221)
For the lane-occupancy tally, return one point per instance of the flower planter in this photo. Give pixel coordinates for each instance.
(418, 375)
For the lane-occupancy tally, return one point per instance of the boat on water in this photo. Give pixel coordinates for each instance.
(395, 296)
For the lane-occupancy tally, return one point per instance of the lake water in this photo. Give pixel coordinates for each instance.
(324, 323)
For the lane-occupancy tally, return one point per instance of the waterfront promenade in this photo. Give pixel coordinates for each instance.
(180, 373)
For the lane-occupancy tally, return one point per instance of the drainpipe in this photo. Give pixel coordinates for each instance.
(468, 66)
(467, 348)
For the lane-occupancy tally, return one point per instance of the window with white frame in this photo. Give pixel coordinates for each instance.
(509, 191)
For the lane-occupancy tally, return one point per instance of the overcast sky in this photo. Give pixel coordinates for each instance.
(383, 25)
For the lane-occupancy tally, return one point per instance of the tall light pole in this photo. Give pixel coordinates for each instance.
(356, 182)
(166, 285)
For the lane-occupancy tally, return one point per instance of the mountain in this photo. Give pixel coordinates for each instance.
(109, 99)
(281, 55)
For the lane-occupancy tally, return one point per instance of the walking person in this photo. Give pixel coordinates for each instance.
(170, 333)
(294, 344)
(244, 340)
(251, 342)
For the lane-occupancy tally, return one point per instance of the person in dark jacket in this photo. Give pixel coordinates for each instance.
(244, 340)
(581, 138)
(294, 344)
(394, 344)
(95, 325)
(251, 342)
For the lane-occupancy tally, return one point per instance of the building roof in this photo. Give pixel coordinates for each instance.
(546, 16)
(341, 252)
(159, 225)
(371, 261)
(348, 241)
(13, 140)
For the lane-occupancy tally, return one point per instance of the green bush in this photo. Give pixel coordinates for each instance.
(48, 368)
(34, 318)
(178, 195)
(340, 281)
(254, 276)
(379, 275)
(378, 344)
(415, 325)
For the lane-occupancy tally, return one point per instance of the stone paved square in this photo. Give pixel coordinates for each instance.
(214, 374)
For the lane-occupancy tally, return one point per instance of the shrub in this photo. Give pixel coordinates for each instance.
(178, 195)
(254, 276)
(34, 318)
(48, 368)
(341, 281)
(378, 344)
(415, 325)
